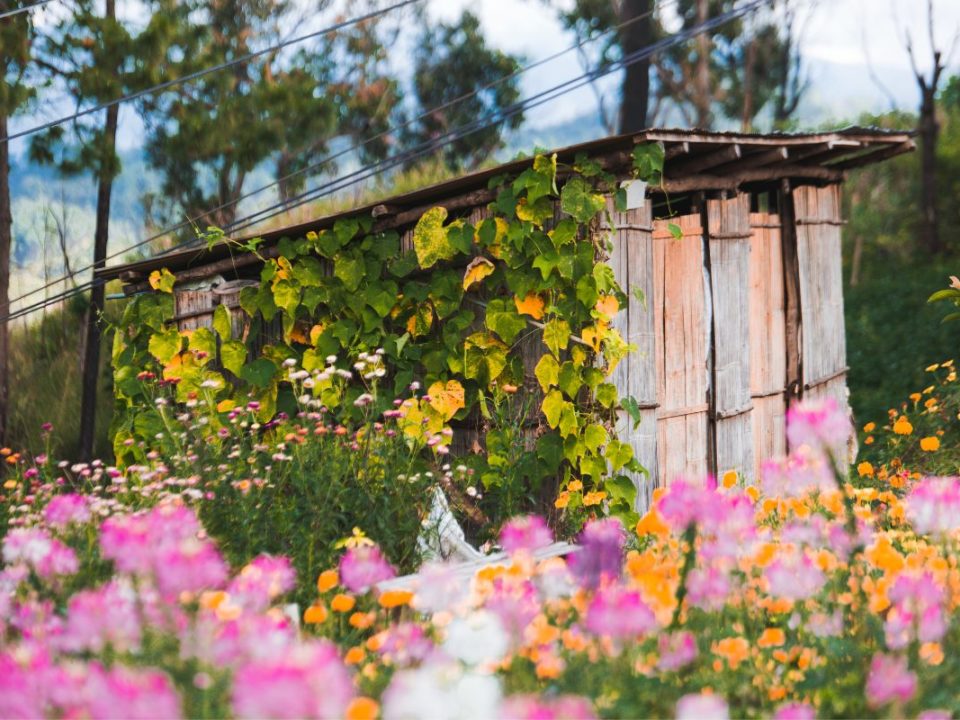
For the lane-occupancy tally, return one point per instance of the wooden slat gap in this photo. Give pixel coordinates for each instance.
(682, 412)
(732, 412)
(826, 378)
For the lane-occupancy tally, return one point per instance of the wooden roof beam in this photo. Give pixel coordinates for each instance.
(704, 161)
(733, 181)
(837, 145)
(754, 160)
(875, 154)
(682, 148)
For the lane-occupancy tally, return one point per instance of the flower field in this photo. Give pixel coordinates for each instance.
(802, 596)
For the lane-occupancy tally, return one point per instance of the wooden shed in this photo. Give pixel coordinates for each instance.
(742, 315)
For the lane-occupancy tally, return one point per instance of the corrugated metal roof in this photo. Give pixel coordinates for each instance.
(695, 160)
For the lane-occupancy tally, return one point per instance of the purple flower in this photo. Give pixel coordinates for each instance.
(676, 650)
(890, 679)
(527, 532)
(64, 510)
(601, 552)
(363, 567)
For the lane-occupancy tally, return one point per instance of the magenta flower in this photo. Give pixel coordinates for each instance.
(134, 694)
(309, 681)
(601, 552)
(708, 588)
(890, 679)
(794, 576)
(363, 567)
(619, 613)
(65, 510)
(933, 505)
(802, 471)
(535, 707)
(35, 548)
(795, 711)
(100, 618)
(676, 650)
(821, 425)
(916, 612)
(527, 532)
(405, 644)
(262, 581)
(701, 706)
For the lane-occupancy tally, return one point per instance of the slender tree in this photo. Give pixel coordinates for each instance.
(17, 33)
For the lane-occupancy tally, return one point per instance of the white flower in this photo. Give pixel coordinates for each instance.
(477, 638)
(363, 400)
(441, 692)
(290, 362)
(331, 359)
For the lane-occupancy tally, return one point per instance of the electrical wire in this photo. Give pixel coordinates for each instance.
(206, 71)
(330, 158)
(434, 144)
(25, 8)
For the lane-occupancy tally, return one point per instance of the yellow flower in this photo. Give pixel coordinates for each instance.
(342, 603)
(574, 486)
(362, 708)
(594, 498)
(865, 469)
(315, 615)
(328, 580)
(772, 637)
(930, 443)
(902, 426)
(931, 368)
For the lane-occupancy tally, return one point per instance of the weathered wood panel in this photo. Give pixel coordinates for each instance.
(681, 331)
(728, 233)
(767, 339)
(632, 261)
(823, 340)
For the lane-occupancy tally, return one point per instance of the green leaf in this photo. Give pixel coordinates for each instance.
(618, 454)
(552, 259)
(556, 336)
(648, 161)
(595, 436)
(550, 451)
(539, 180)
(570, 380)
(568, 420)
(485, 357)
(578, 199)
(164, 345)
(221, 322)
(676, 232)
(345, 229)
(286, 295)
(503, 319)
(162, 280)
(604, 277)
(382, 297)
(308, 271)
(565, 232)
(945, 294)
(620, 487)
(259, 373)
(349, 269)
(430, 239)
(233, 354)
(632, 408)
(552, 406)
(547, 372)
(534, 212)
(202, 340)
(593, 466)
(606, 395)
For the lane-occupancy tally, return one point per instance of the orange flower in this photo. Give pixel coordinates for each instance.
(594, 498)
(884, 556)
(902, 426)
(574, 486)
(315, 615)
(730, 478)
(354, 656)
(362, 708)
(931, 653)
(930, 444)
(652, 524)
(342, 603)
(772, 637)
(865, 469)
(563, 499)
(395, 598)
(734, 650)
(870, 427)
(328, 580)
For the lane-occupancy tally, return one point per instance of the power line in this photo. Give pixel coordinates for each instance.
(434, 144)
(25, 8)
(330, 158)
(206, 71)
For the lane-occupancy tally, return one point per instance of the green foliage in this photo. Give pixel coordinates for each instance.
(426, 325)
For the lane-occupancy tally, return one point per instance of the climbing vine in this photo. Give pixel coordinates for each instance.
(451, 313)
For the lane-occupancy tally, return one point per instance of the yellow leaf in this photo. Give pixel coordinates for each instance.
(226, 405)
(477, 270)
(594, 335)
(446, 399)
(284, 268)
(315, 333)
(607, 306)
(531, 305)
(298, 335)
(162, 280)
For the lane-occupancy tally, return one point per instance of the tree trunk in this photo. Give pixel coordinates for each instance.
(636, 78)
(101, 234)
(749, 75)
(929, 130)
(703, 98)
(6, 237)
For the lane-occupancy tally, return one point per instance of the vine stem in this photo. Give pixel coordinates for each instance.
(689, 561)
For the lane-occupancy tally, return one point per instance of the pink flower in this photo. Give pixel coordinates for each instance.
(35, 548)
(309, 681)
(794, 576)
(262, 581)
(528, 532)
(933, 505)
(63, 510)
(889, 680)
(702, 707)
(707, 588)
(601, 552)
(103, 617)
(802, 471)
(363, 567)
(821, 425)
(619, 613)
(534, 707)
(676, 650)
(135, 694)
(405, 644)
(916, 612)
(795, 711)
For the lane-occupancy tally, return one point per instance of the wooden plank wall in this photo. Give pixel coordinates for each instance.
(767, 339)
(632, 261)
(823, 340)
(728, 233)
(682, 350)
